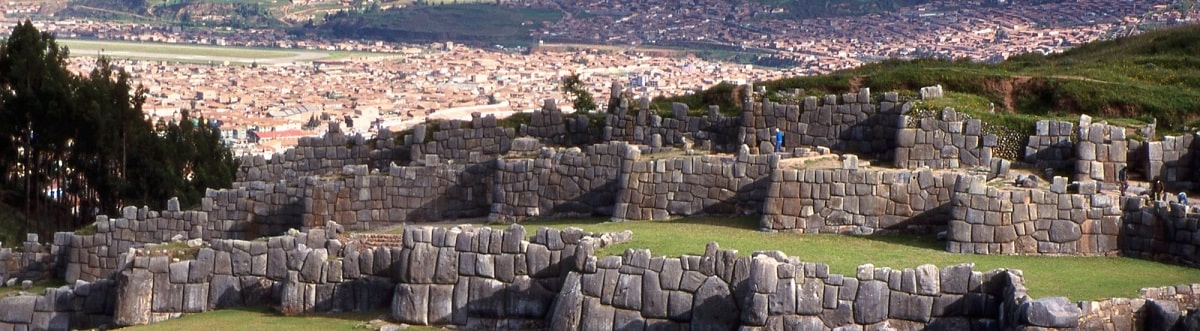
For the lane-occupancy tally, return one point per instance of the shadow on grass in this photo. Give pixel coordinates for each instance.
(914, 241)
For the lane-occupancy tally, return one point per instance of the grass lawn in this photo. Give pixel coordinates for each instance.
(38, 288)
(1078, 278)
(262, 318)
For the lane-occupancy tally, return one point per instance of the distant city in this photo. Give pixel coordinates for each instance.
(447, 80)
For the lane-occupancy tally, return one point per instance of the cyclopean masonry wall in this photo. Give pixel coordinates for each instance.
(1102, 150)
(657, 189)
(990, 220)
(1174, 160)
(32, 261)
(1051, 145)
(948, 141)
(549, 124)
(557, 182)
(859, 201)
(90, 257)
(319, 156)
(493, 279)
(1163, 231)
(82, 306)
(855, 126)
(299, 272)
(363, 200)
(769, 290)
(1097, 152)
(712, 131)
(478, 278)
(459, 141)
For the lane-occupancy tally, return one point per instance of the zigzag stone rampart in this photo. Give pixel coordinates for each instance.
(638, 166)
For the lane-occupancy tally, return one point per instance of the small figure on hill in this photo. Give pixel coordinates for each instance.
(1123, 179)
(1157, 190)
(778, 140)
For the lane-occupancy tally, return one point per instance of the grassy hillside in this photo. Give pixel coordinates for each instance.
(1155, 75)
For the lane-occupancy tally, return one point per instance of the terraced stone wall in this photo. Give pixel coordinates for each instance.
(856, 125)
(859, 202)
(321, 156)
(658, 189)
(948, 141)
(722, 290)
(569, 182)
(1051, 145)
(363, 200)
(460, 142)
(991, 220)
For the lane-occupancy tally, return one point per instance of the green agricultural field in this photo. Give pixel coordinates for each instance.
(1078, 278)
(473, 23)
(201, 53)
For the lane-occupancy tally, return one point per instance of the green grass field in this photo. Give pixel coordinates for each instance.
(262, 318)
(202, 53)
(474, 23)
(1078, 278)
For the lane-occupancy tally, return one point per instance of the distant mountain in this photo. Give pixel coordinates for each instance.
(1155, 75)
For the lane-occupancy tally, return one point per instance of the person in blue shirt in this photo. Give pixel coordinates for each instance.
(778, 140)
(1183, 200)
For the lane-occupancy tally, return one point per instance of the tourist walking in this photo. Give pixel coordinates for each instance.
(1124, 180)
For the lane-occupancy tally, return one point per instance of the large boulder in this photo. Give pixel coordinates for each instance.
(1053, 312)
(713, 307)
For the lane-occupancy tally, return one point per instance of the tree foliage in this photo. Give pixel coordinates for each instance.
(72, 145)
(581, 99)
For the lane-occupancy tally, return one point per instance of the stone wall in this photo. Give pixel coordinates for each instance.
(1162, 231)
(991, 220)
(855, 126)
(32, 261)
(1052, 145)
(363, 200)
(949, 141)
(552, 126)
(860, 202)
(712, 132)
(83, 306)
(246, 211)
(721, 290)
(1174, 160)
(90, 257)
(558, 182)
(472, 277)
(495, 279)
(1101, 152)
(320, 156)
(459, 142)
(658, 189)
(154, 285)
(1156, 308)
